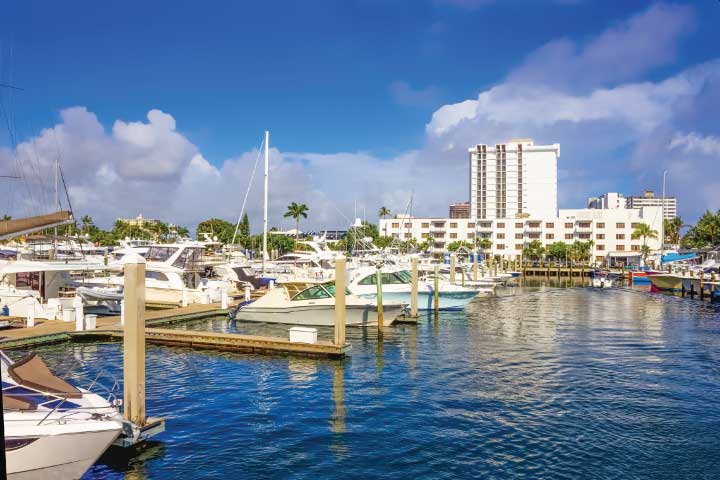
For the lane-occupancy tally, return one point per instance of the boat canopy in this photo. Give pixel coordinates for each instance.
(677, 257)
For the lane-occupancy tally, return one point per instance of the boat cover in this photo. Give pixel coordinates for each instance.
(14, 403)
(677, 257)
(32, 372)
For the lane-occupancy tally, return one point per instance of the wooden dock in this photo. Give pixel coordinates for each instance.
(54, 331)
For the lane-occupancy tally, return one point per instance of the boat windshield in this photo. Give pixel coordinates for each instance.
(388, 278)
(313, 293)
(160, 254)
(330, 287)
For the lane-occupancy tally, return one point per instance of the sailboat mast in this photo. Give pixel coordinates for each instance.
(265, 205)
(662, 220)
(57, 194)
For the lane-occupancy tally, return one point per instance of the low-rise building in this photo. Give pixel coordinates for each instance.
(139, 221)
(610, 231)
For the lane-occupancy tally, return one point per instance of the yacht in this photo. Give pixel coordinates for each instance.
(396, 287)
(313, 305)
(52, 428)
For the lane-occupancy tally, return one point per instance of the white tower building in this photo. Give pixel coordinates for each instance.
(513, 180)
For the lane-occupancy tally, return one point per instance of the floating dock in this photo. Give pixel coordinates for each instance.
(54, 331)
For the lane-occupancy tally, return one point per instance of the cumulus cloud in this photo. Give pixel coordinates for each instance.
(617, 133)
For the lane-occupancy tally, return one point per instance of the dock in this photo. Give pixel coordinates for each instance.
(109, 328)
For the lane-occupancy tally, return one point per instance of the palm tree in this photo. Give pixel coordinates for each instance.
(644, 231)
(384, 212)
(297, 210)
(672, 230)
(86, 222)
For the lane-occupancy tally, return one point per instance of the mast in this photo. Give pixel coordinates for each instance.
(265, 205)
(662, 222)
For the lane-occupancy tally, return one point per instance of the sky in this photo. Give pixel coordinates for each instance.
(159, 108)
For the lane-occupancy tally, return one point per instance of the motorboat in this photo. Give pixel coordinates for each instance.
(52, 428)
(396, 287)
(602, 279)
(313, 305)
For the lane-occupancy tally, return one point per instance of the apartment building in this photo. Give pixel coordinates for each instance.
(613, 200)
(610, 230)
(515, 179)
(460, 210)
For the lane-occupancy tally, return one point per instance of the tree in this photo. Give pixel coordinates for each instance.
(216, 227)
(384, 212)
(296, 210)
(6, 217)
(644, 231)
(705, 233)
(557, 251)
(87, 221)
(580, 251)
(534, 250)
(672, 230)
(244, 229)
(456, 245)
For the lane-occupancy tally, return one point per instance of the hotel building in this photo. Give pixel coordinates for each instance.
(513, 180)
(513, 201)
(612, 200)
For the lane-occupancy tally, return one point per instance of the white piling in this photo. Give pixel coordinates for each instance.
(134, 339)
(184, 301)
(122, 312)
(79, 314)
(224, 299)
(247, 294)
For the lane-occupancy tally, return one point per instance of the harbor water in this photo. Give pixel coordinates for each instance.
(536, 383)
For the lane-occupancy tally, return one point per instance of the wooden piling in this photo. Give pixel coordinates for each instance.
(452, 268)
(414, 289)
(340, 264)
(436, 290)
(475, 267)
(378, 282)
(134, 339)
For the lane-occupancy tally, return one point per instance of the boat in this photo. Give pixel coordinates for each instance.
(313, 305)
(396, 287)
(602, 279)
(52, 428)
(669, 282)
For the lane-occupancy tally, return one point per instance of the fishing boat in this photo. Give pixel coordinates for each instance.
(52, 428)
(602, 279)
(669, 282)
(313, 305)
(396, 287)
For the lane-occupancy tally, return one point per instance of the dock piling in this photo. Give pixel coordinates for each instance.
(378, 281)
(340, 264)
(452, 268)
(436, 293)
(475, 267)
(414, 289)
(134, 339)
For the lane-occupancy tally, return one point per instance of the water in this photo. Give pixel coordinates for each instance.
(560, 383)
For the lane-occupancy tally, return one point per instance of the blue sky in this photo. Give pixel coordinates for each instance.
(350, 91)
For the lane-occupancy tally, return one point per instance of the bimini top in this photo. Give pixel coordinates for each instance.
(677, 257)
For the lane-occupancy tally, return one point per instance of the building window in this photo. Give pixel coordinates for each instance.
(425, 225)
(584, 224)
(519, 246)
(501, 225)
(620, 248)
(620, 236)
(550, 236)
(425, 235)
(453, 224)
(534, 224)
(500, 246)
(584, 236)
(549, 225)
(599, 258)
(408, 225)
(396, 225)
(408, 235)
(620, 225)
(396, 235)
(471, 225)
(600, 236)
(518, 225)
(635, 248)
(600, 247)
(518, 236)
(569, 225)
(487, 225)
(471, 235)
(534, 235)
(453, 235)
(568, 236)
(634, 225)
(600, 225)
(500, 235)
(438, 235)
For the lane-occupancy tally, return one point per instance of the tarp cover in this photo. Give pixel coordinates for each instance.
(10, 228)
(32, 372)
(677, 257)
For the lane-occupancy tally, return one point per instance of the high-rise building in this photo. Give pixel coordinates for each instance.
(648, 199)
(460, 210)
(608, 201)
(516, 179)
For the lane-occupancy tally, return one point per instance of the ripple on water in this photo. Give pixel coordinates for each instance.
(558, 383)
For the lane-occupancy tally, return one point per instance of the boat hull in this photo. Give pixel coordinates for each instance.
(319, 315)
(58, 456)
(666, 282)
(448, 300)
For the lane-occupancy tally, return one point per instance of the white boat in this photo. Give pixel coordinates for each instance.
(52, 429)
(396, 287)
(602, 280)
(313, 305)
